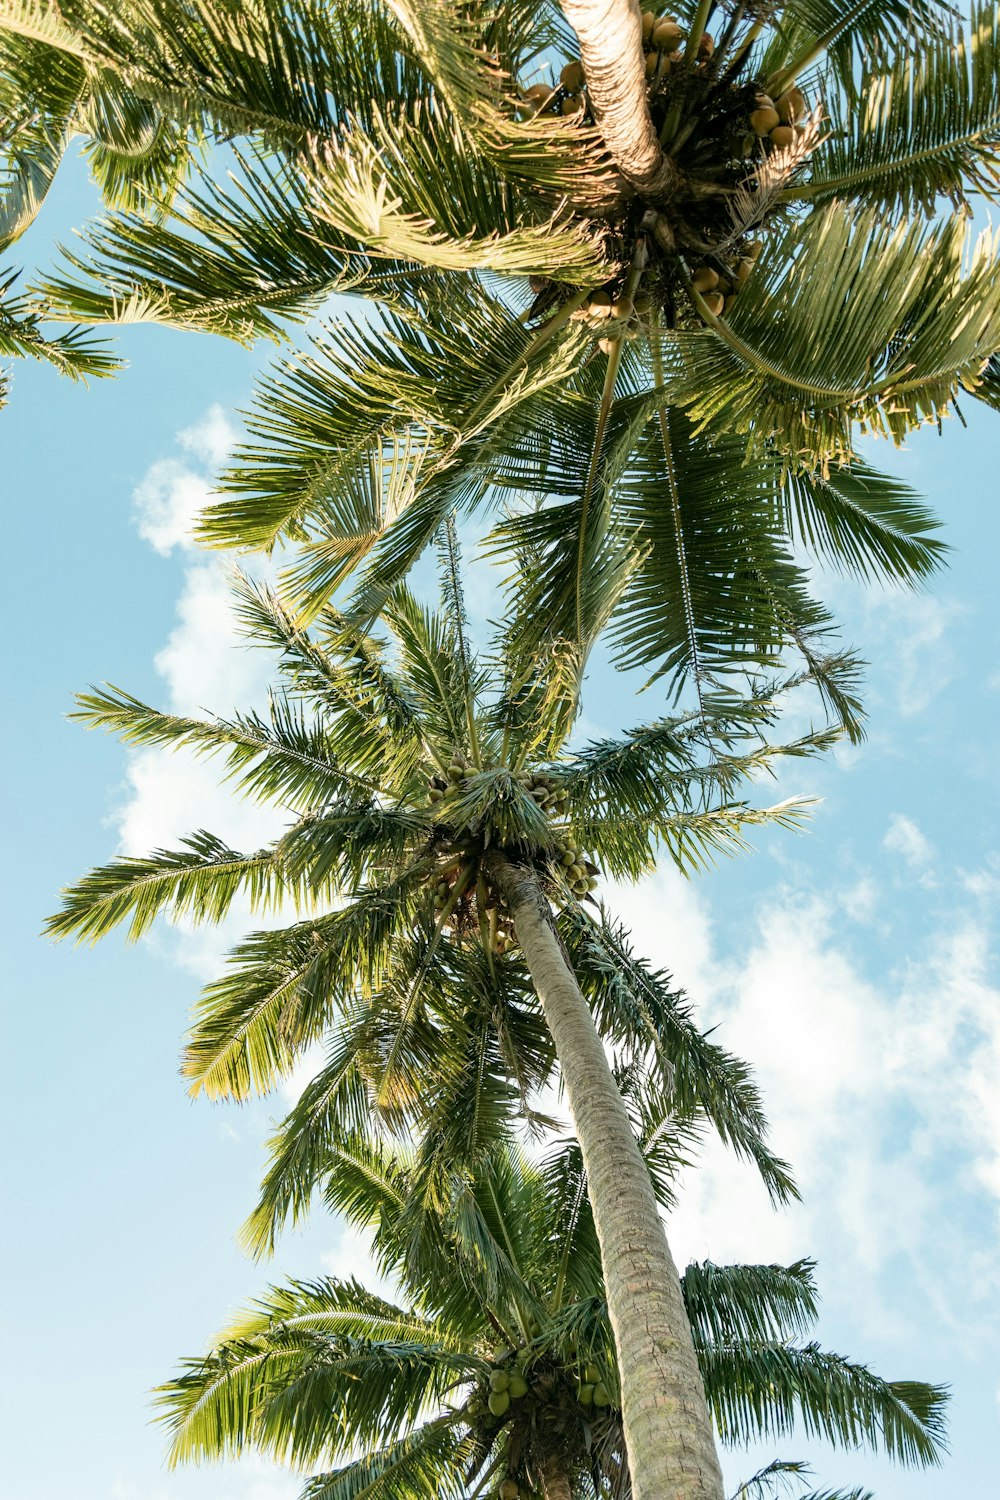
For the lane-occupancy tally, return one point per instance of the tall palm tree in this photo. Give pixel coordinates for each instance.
(764, 197)
(445, 844)
(496, 1374)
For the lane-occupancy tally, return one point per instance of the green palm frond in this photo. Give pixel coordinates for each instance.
(284, 758)
(927, 127)
(506, 1276)
(883, 310)
(200, 880)
(770, 1388)
(781, 1478)
(727, 1304)
(23, 334)
(424, 1465)
(284, 988)
(385, 191)
(639, 1009)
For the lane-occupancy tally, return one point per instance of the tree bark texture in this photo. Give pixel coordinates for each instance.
(610, 37)
(668, 1430)
(555, 1481)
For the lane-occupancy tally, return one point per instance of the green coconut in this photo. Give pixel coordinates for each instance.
(499, 1380)
(585, 1395)
(498, 1403)
(518, 1387)
(602, 1396)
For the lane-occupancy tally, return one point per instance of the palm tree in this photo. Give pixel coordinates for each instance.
(496, 1373)
(784, 288)
(440, 822)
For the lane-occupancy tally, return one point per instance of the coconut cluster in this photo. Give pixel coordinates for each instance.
(719, 127)
(527, 1378)
(614, 317)
(567, 98)
(719, 281)
(466, 904)
(664, 42)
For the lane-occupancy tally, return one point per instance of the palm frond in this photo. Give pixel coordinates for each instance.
(767, 1391)
(200, 880)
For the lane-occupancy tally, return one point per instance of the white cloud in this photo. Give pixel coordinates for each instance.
(911, 630)
(206, 662)
(170, 495)
(906, 839)
(206, 668)
(882, 1094)
(212, 439)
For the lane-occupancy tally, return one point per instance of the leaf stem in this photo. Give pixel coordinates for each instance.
(639, 256)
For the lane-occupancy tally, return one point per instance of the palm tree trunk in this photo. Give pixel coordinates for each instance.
(555, 1481)
(610, 37)
(668, 1431)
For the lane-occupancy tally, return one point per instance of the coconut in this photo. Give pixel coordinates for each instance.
(435, 794)
(791, 106)
(572, 77)
(585, 1395)
(782, 136)
(508, 1489)
(652, 63)
(755, 249)
(648, 22)
(706, 46)
(602, 1396)
(498, 1402)
(644, 303)
(705, 279)
(715, 302)
(743, 270)
(600, 305)
(607, 345)
(572, 106)
(455, 772)
(764, 119)
(518, 1387)
(499, 1380)
(667, 34)
(623, 309)
(538, 96)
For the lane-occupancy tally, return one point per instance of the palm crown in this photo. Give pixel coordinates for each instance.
(408, 776)
(437, 805)
(498, 1374)
(704, 447)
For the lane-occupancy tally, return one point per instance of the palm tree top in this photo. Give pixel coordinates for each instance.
(405, 773)
(498, 1369)
(694, 356)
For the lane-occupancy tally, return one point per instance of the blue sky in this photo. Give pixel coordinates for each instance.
(853, 965)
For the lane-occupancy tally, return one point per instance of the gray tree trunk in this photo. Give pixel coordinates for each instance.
(610, 37)
(668, 1430)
